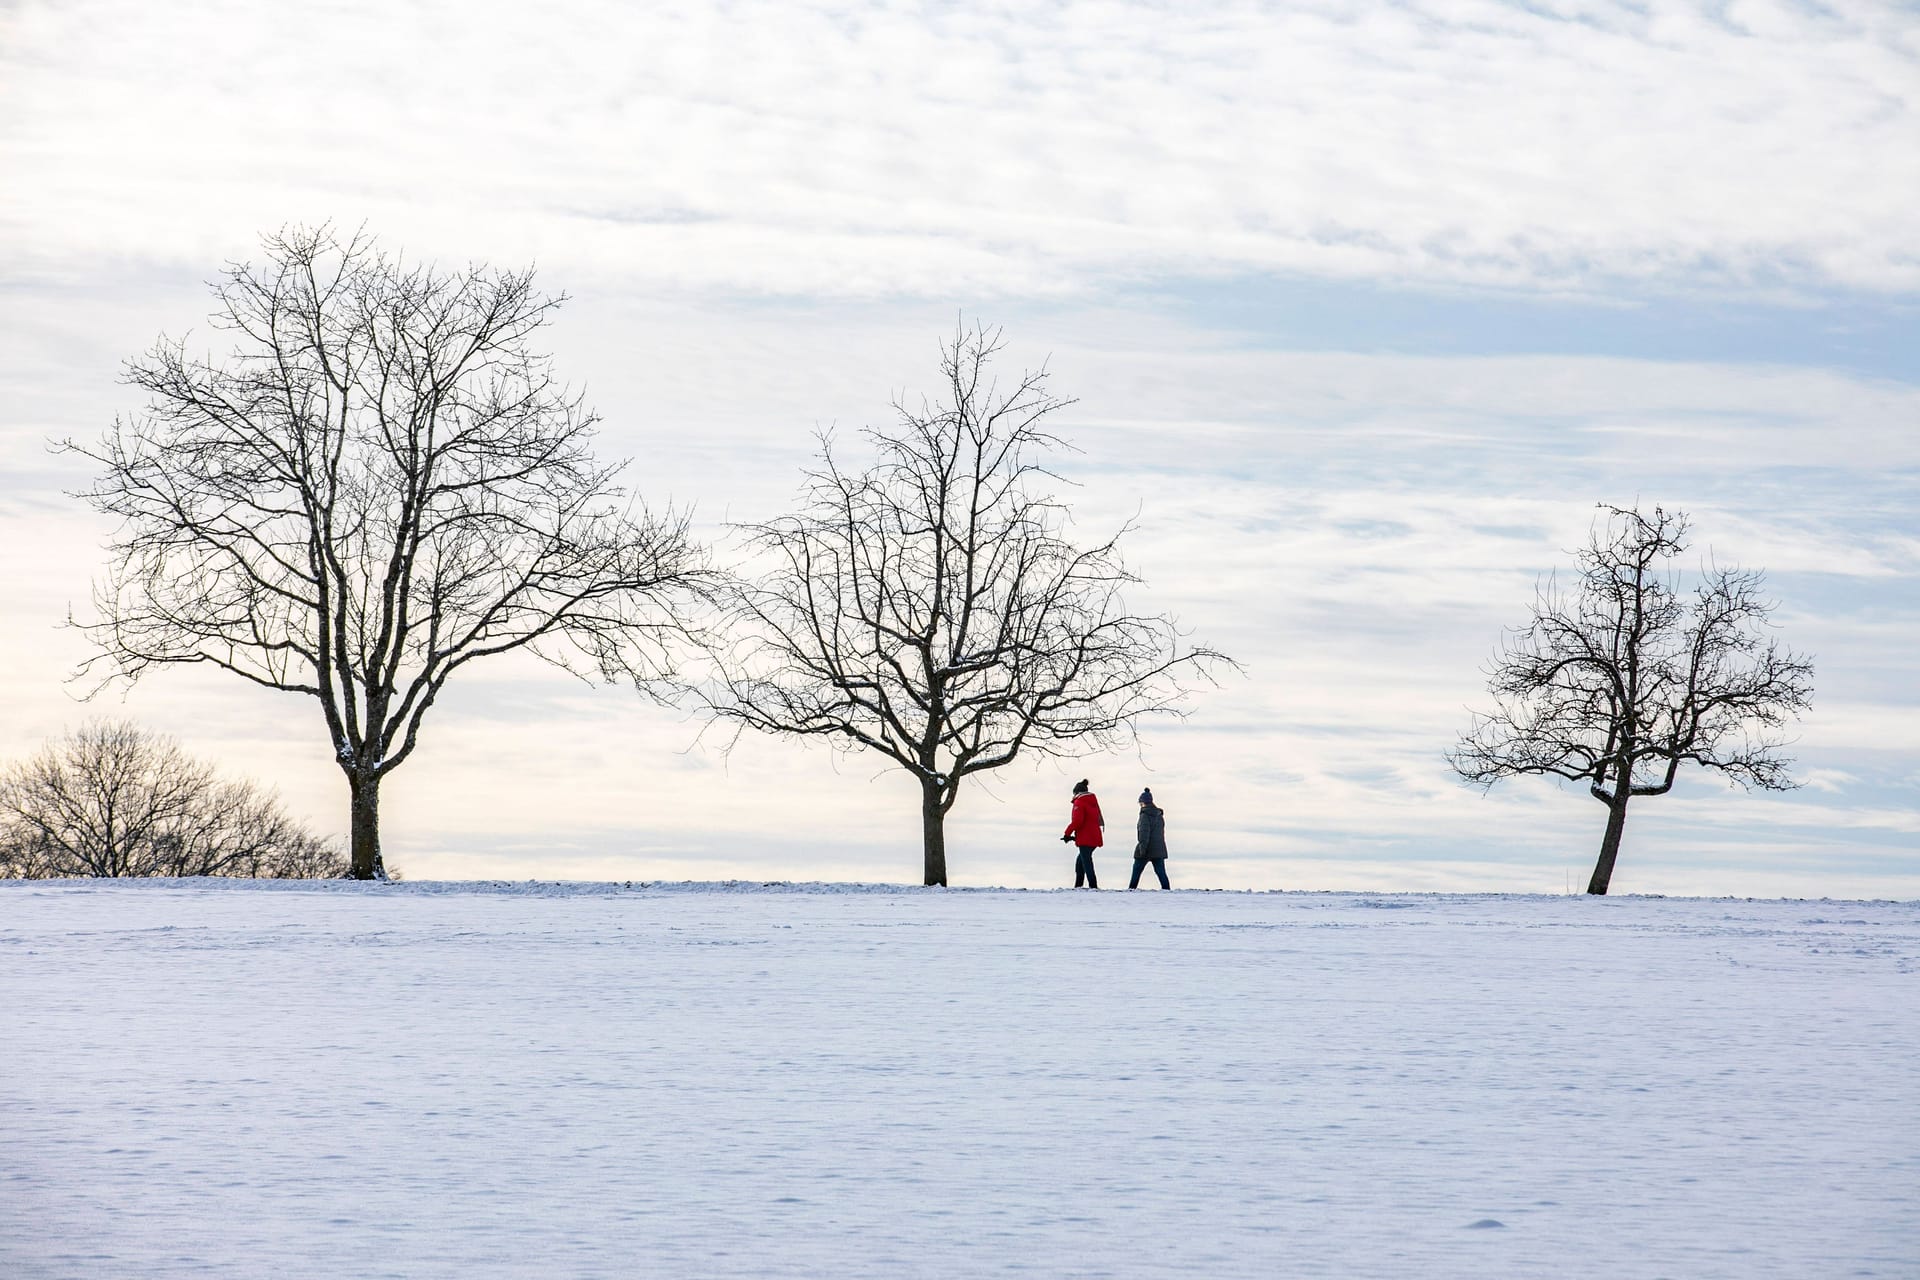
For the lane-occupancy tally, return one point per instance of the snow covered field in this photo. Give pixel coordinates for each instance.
(425, 1080)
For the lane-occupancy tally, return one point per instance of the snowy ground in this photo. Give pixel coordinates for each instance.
(216, 1080)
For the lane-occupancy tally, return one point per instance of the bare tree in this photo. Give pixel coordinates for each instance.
(379, 484)
(114, 800)
(1619, 683)
(928, 609)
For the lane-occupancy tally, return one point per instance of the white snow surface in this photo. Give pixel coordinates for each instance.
(218, 1079)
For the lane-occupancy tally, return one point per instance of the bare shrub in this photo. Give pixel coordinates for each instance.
(112, 799)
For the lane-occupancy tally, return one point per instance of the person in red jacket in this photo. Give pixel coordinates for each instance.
(1084, 829)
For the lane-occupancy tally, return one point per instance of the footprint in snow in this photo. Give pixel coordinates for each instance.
(1485, 1224)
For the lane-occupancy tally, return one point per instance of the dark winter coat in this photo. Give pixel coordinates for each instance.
(1151, 835)
(1084, 826)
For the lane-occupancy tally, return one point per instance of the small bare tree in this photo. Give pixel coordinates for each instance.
(1623, 681)
(928, 609)
(114, 800)
(380, 483)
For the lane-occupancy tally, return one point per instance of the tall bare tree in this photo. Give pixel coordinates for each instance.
(380, 483)
(112, 799)
(928, 609)
(1621, 681)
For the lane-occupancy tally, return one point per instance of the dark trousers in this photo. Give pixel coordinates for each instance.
(1083, 868)
(1159, 869)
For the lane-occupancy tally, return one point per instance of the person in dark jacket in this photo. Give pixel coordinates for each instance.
(1084, 829)
(1150, 844)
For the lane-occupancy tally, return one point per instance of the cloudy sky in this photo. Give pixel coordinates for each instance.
(1364, 308)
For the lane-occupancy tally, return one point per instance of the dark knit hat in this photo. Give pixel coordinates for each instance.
(1146, 797)
(1080, 787)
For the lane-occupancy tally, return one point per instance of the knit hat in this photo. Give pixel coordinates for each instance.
(1146, 797)
(1080, 787)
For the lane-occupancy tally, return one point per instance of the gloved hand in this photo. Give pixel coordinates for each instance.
(1067, 839)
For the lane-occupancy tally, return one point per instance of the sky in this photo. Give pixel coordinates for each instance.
(1363, 309)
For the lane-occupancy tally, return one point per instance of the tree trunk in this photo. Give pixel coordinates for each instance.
(1610, 843)
(933, 831)
(366, 862)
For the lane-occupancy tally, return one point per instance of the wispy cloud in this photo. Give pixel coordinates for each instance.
(883, 149)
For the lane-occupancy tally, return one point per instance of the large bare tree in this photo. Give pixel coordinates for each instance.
(378, 484)
(927, 607)
(112, 799)
(1619, 682)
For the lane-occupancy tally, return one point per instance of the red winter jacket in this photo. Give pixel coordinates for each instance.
(1086, 822)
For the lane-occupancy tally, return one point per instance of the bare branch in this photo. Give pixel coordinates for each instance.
(379, 483)
(928, 609)
(1620, 682)
(114, 800)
